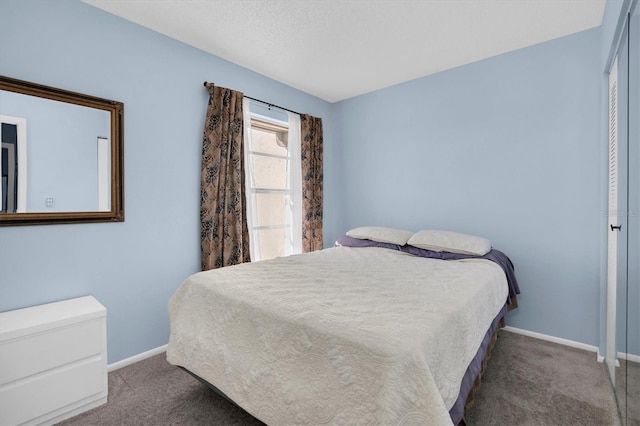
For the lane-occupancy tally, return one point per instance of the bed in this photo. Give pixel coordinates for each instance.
(360, 334)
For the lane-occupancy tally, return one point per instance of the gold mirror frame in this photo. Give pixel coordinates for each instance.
(116, 111)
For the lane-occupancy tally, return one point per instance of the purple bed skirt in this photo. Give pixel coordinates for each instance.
(457, 411)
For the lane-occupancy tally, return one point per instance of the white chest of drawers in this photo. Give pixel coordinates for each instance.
(53, 361)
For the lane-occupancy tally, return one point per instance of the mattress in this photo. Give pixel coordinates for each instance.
(342, 335)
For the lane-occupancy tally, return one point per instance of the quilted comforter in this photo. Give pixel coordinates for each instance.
(342, 335)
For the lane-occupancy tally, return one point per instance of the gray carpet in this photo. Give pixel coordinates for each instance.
(528, 382)
(533, 382)
(628, 379)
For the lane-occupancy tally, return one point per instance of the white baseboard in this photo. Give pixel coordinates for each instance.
(136, 358)
(573, 344)
(629, 357)
(557, 340)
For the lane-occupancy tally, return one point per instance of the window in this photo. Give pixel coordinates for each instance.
(273, 215)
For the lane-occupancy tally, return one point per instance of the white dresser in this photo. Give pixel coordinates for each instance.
(53, 361)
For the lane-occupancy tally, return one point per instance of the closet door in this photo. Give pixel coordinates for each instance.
(631, 364)
(623, 349)
(612, 238)
(623, 279)
(617, 208)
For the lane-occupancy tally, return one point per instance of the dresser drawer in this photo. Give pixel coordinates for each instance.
(28, 355)
(29, 399)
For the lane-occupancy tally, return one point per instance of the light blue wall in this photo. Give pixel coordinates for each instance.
(132, 267)
(62, 151)
(507, 148)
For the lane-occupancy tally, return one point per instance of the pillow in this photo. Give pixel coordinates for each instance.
(451, 242)
(381, 234)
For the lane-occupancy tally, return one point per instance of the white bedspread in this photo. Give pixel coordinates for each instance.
(342, 335)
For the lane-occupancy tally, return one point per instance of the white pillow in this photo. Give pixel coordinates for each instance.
(381, 234)
(451, 242)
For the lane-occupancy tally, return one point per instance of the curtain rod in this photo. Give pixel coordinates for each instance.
(269, 104)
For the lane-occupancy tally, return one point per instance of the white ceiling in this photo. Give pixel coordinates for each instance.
(337, 49)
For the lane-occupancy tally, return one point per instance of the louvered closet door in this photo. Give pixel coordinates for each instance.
(612, 239)
(617, 211)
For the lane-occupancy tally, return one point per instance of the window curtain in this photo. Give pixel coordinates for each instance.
(252, 214)
(312, 178)
(223, 226)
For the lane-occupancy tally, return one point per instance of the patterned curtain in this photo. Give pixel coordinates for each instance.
(311, 147)
(223, 221)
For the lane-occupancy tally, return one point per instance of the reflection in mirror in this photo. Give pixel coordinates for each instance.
(631, 373)
(14, 174)
(627, 326)
(61, 156)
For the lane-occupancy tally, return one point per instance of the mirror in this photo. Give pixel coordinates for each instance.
(624, 363)
(627, 383)
(62, 156)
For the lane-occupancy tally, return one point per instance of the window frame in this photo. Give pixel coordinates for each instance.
(265, 124)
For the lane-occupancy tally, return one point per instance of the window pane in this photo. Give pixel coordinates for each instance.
(271, 243)
(269, 172)
(270, 209)
(267, 142)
